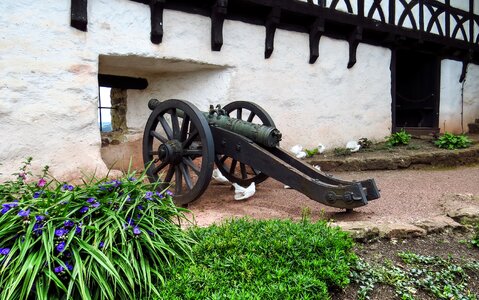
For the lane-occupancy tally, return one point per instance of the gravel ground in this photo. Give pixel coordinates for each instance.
(406, 195)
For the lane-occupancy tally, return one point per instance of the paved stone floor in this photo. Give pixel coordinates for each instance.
(413, 202)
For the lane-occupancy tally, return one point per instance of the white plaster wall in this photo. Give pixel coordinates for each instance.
(49, 92)
(471, 94)
(450, 97)
(451, 104)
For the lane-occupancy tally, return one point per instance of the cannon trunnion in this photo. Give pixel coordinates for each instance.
(181, 145)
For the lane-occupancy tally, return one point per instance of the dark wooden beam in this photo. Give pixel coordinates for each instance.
(78, 14)
(317, 30)
(156, 9)
(218, 14)
(272, 22)
(354, 38)
(299, 16)
(122, 82)
(467, 59)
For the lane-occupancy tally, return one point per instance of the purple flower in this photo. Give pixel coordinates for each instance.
(37, 194)
(160, 195)
(132, 179)
(5, 208)
(68, 223)
(84, 209)
(90, 200)
(136, 230)
(128, 198)
(4, 251)
(39, 218)
(24, 213)
(95, 205)
(169, 193)
(67, 187)
(149, 196)
(61, 232)
(61, 247)
(41, 182)
(78, 230)
(58, 269)
(101, 245)
(140, 207)
(130, 221)
(37, 228)
(69, 267)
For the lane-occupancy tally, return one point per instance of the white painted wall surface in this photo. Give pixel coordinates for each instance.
(451, 103)
(49, 89)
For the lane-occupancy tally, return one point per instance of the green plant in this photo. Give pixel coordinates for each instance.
(398, 138)
(104, 239)
(365, 143)
(440, 278)
(274, 259)
(341, 151)
(310, 153)
(451, 141)
(475, 238)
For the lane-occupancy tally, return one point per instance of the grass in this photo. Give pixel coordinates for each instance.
(250, 259)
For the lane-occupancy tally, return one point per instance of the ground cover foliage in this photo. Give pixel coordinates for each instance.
(273, 259)
(103, 239)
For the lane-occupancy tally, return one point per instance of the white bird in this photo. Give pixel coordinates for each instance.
(321, 148)
(296, 149)
(219, 177)
(242, 193)
(353, 146)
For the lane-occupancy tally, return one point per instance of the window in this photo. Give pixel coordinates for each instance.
(104, 110)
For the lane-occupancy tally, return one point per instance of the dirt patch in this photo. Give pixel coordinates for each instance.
(445, 245)
(419, 154)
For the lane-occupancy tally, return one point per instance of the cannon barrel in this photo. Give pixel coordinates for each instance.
(264, 135)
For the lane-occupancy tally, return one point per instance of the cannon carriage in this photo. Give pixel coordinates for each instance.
(181, 146)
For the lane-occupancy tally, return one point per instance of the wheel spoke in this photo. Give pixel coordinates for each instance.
(189, 152)
(254, 171)
(233, 166)
(159, 136)
(191, 138)
(239, 113)
(223, 159)
(186, 176)
(166, 127)
(175, 124)
(169, 174)
(178, 180)
(187, 161)
(159, 167)
(243, 171)
(184, 127)
(251, 116)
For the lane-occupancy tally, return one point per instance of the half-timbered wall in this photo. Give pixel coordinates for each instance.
(49, 79)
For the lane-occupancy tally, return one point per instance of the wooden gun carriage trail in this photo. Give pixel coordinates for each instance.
(183, 144)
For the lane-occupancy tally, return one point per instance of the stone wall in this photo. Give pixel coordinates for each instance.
(49, 86)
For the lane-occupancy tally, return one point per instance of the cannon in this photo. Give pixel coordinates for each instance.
(181, 145)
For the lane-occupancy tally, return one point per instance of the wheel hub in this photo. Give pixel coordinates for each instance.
(170, 152)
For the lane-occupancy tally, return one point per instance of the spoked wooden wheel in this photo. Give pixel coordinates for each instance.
(178, 149)
(232, 169)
